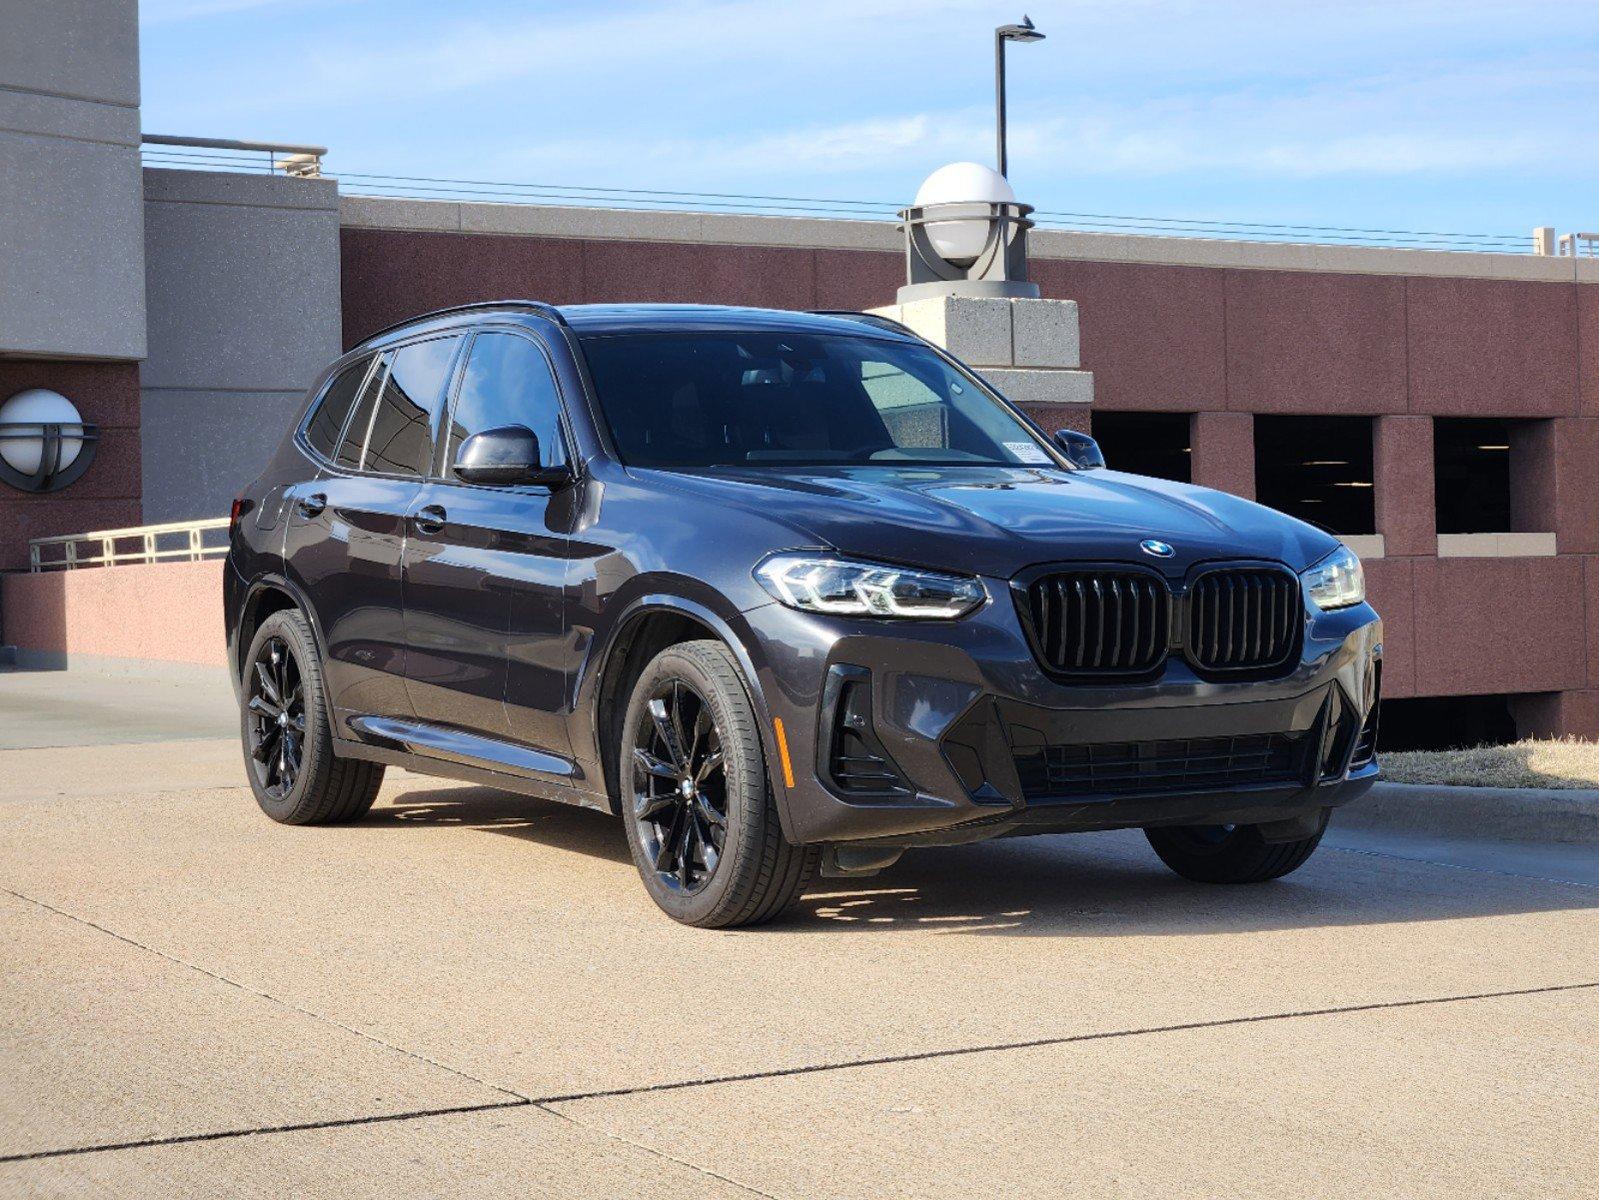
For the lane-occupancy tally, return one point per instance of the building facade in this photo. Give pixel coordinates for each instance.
(1439, 410)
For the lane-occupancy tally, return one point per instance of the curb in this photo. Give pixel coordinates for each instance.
(1549, 815)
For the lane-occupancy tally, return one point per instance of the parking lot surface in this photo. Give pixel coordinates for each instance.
(469, 993)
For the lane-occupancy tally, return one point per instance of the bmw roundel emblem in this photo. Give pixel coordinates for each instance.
(1156, 547)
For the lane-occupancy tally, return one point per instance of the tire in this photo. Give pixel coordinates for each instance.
(296, 777)
(716, 859)
(1229, 853)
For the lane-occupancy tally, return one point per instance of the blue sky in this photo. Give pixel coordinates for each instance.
(1473, 115)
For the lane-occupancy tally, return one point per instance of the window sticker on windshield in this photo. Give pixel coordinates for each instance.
(1028, 452)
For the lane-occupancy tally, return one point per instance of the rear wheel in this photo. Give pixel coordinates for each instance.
(1229, 853)
(701, 820)
(288, 742)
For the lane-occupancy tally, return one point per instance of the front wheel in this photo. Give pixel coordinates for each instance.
(701, 819)
(1229, 853)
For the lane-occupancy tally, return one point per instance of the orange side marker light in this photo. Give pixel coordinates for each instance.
(782, 751)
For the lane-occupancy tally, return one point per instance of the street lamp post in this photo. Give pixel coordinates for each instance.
(1007, 33)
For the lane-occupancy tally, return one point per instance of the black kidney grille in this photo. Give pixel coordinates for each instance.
(1243, 619)
(1100, 621)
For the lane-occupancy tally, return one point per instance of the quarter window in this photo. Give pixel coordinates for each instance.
(327, 422)
(359, 425)
(509, 381)
(401, 442)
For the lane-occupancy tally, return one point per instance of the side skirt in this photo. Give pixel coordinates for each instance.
(451, 754)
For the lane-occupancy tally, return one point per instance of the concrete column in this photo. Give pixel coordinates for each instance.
(1556, 714)
(1402, 465)
(1224, 452)
(1552, 467)
(1030, 350)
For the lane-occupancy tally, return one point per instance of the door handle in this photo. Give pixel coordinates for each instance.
(430, 518)
(312, 505)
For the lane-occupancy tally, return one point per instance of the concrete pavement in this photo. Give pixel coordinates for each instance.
(469, 994)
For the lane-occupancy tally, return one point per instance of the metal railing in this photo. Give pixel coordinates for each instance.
(225, 154)
(1578, 244)
(181, 541)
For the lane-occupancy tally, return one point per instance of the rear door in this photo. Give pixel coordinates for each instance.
(346, 528)
(485, 567)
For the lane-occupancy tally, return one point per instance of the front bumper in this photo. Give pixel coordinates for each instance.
(982, 743)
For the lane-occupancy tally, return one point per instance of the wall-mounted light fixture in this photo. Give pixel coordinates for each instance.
(45, 445)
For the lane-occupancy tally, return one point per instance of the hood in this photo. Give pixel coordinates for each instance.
(996, 521)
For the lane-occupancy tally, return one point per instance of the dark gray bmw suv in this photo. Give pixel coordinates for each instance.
(787, 592)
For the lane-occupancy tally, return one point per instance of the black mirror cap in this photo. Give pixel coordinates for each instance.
(1081, 451)
(505, 455)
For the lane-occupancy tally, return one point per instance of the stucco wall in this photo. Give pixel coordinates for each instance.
(162, 612)
(71, 230)
(243, 285)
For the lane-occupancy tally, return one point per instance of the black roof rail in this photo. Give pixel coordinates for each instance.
(538, 306)
(877, 319)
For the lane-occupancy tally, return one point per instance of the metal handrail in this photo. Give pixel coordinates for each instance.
(106, 553)
(304, 161)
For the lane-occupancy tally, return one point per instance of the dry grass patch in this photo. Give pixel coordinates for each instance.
(1567, 763)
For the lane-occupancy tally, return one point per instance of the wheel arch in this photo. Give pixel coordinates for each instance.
(650, 624)
(267, 595)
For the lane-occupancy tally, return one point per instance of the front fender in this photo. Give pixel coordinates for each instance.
(727, 624)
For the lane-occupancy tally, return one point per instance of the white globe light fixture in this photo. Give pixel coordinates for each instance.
(963, 195)
(966, 235)
(44, 442)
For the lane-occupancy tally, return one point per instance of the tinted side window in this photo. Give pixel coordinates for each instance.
(327, 421)
(360, 423)
(509, 381)
(401, 442)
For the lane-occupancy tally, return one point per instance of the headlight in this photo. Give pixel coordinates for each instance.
(819, 584)
(1337, 581)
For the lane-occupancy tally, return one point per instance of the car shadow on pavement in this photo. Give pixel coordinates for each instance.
(1071, 885)
(562, 826)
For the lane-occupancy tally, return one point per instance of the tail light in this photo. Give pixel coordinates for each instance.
(235, 513)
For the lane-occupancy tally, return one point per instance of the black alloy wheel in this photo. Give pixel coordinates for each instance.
(277, 711)
(696, 795)
(289, 754)
(680, 787)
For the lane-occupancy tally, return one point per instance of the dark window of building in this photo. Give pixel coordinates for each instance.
(1146, 443)
(401, 442)
(359, 425)
(1317, 469)
(327, 421)
(1471, 474)
(509, 381)
(1445, 723)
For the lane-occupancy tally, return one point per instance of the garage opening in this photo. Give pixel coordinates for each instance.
(1471, 473)
(1317, 469)
(1146, 443)
(1445, 723)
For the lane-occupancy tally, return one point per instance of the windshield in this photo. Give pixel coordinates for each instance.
(696, 399)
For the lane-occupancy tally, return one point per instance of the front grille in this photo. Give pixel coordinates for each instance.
(1243, 619)
(1175, 765)
(1099, 622)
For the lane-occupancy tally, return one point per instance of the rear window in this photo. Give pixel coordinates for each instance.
(333, 408)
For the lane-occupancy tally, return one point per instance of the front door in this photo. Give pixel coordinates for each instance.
(346, 529)
(485, 569)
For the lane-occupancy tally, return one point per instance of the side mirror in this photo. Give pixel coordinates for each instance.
(505, 455)
(1081, 451)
